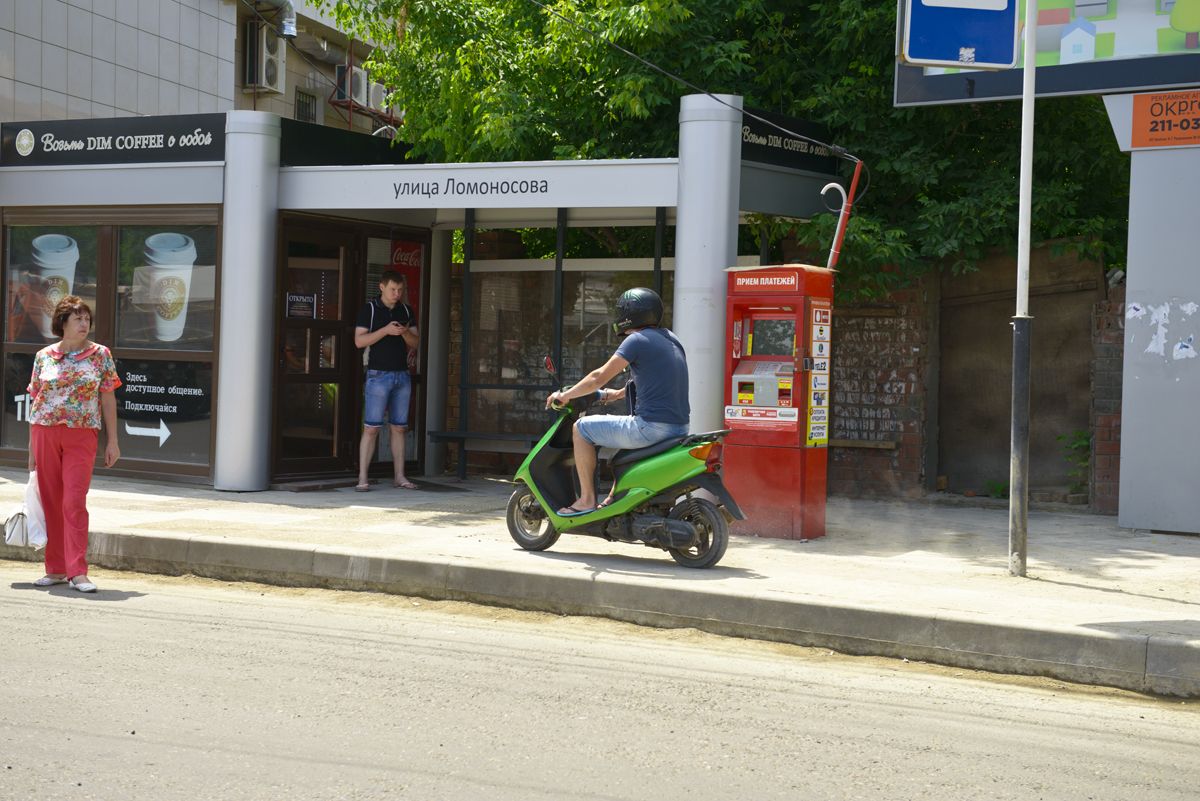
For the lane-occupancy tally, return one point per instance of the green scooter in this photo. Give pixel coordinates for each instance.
(655, 500)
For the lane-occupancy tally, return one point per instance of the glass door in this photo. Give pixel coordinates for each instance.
(314, 427)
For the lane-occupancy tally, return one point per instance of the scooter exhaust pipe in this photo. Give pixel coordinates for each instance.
(664, 532)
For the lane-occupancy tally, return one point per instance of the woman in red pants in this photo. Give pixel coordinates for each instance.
(71, 391)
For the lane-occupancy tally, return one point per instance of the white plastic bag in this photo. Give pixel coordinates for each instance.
(35, 518)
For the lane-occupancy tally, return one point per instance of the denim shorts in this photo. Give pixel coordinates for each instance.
(626, 433)
(386, 391)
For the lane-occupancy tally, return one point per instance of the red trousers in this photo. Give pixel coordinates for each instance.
(64, 458)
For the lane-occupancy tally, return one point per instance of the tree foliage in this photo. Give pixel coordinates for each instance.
(485, 80)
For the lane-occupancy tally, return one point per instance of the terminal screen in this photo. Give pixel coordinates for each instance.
(773, 337)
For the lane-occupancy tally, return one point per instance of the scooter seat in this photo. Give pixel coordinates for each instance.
(637, 454)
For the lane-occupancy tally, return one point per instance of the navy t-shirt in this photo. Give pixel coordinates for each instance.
(389, 353)
(660, 374)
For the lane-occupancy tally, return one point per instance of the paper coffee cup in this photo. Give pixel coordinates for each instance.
(169, 260)
(53, 258)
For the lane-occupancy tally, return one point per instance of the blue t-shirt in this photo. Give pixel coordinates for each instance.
(660, 374)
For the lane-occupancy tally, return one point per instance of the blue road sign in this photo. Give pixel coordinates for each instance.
(978, 34)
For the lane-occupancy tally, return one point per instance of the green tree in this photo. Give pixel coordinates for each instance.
(504, 79)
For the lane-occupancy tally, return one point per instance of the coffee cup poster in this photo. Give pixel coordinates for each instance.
(166, 287)
(46, 265)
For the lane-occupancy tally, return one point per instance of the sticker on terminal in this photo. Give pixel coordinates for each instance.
(818, 398)
(820, 381)
(820, 366)
(818, 415)
(820, 333)
(821, 316)
(818, 434)
(769, 417)
(820, 350)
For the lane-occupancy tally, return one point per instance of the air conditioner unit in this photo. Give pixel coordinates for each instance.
(352, 84)
(265, 57)
(377, 95)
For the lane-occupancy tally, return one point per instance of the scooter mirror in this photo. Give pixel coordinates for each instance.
(550, 365)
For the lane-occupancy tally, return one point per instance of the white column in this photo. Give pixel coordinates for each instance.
(706, 244)
(247, 302)
(437, 353)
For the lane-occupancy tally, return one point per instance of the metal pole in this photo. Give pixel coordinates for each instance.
(1018, 483)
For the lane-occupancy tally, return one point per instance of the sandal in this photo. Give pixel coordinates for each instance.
(606, 502)
(82, 586)
(50, 581)
(362, 488)
(573, 511)
(403, 483)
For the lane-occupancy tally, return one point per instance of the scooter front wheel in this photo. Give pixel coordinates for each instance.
(712, 533)
(528, 523)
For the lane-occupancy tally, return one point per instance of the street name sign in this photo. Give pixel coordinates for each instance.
(975, 34)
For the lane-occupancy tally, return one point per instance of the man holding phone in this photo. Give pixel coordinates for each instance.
(386, 327)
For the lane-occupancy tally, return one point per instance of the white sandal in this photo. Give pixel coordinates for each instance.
(82, 586)
(50, 581)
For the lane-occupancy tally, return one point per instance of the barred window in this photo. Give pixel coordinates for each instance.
(306, 106)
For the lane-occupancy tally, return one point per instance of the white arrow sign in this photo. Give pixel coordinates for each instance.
(162, 432)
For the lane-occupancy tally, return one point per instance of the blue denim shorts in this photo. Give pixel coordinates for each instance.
(387, 391)
(624, 432)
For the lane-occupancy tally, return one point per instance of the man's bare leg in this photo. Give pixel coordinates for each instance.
(585, 467)
(398, 455)
(366, 449)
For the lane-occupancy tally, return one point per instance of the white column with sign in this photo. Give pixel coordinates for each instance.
(243, 440)
(1161, 370)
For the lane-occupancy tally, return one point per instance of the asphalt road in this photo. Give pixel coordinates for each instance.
(179, 688)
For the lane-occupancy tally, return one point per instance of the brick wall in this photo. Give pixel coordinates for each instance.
(1108, 347)
(880, 358)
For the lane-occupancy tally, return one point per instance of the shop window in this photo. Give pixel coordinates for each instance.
(166, 287)
(153, 296)
(589, 300)
(518, 411)
(512, 326)
(45, 264)
(165, 409)
(513, 315)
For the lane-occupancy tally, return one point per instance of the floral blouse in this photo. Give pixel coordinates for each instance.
(65, 389)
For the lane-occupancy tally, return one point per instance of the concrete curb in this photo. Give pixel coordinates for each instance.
(1160, 664)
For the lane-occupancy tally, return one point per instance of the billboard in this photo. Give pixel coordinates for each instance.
(1083, 47)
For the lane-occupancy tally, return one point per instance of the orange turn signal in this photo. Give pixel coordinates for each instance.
(710, 454)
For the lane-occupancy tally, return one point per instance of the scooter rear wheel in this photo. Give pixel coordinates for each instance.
(527, 521)
(712, 533)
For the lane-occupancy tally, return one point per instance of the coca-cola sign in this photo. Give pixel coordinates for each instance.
(406, 254)
(408, 259)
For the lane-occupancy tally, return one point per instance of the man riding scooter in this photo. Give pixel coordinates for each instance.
(660, 397)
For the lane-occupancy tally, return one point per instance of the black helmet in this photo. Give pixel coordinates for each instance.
(637, 308)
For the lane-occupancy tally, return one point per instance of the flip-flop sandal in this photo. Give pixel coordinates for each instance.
(404, 485)
(571, 511)
(362, 488)
(605, 503)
